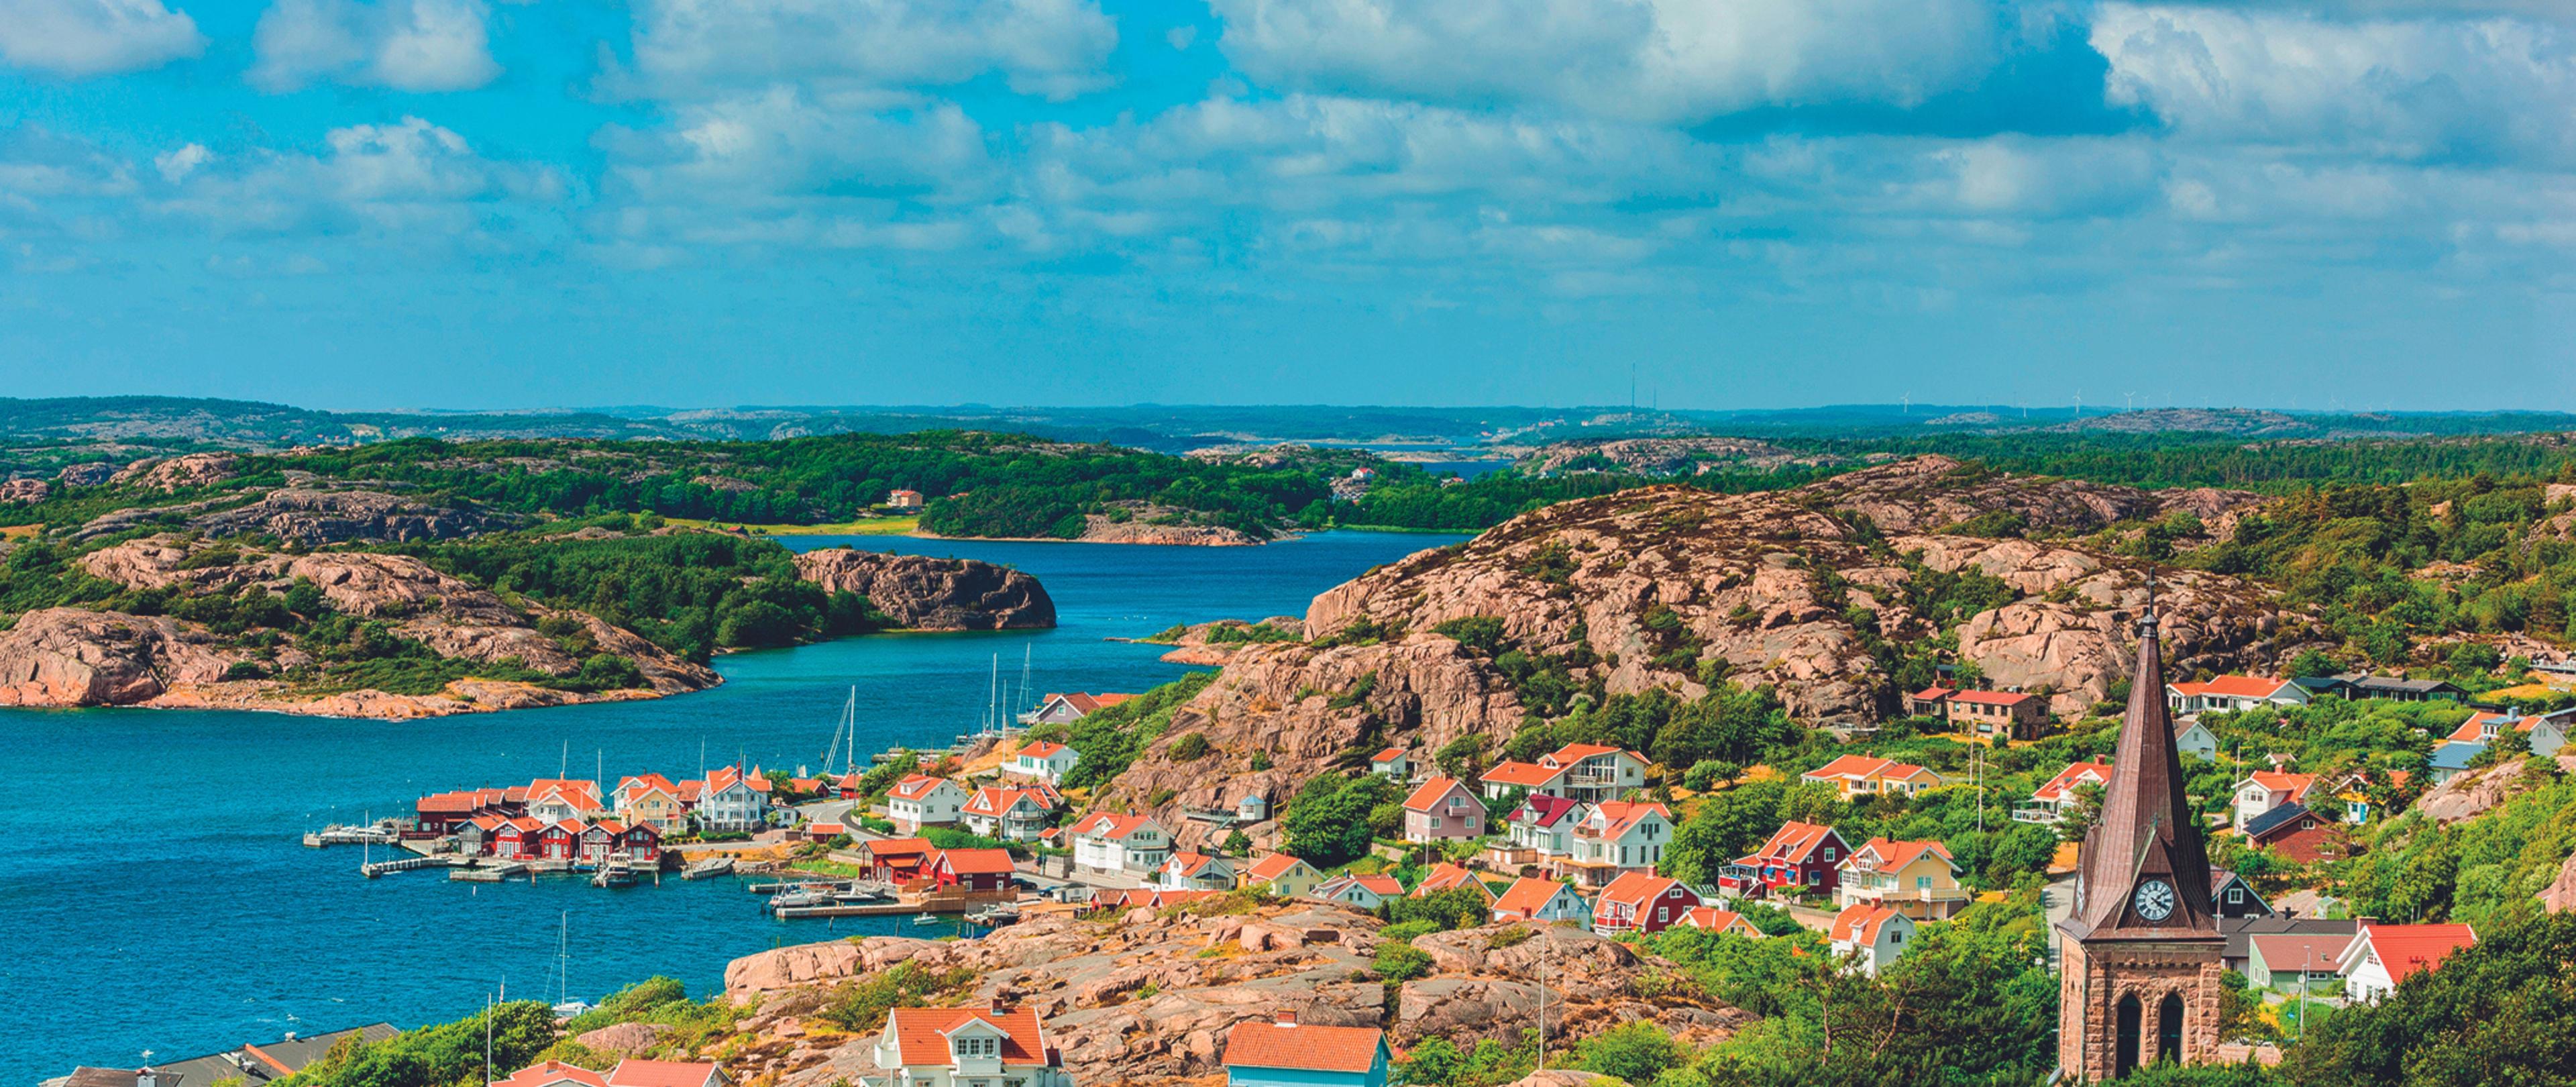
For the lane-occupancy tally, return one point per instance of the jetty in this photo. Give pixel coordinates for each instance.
(349, 835)
(404, 864)
(487, 873)
(708, 869)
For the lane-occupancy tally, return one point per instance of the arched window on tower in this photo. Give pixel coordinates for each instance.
(2169, 1029)
(2124, 1052)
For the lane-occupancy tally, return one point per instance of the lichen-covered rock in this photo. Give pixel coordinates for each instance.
(923, 593)
(23, 490)
(315, 517)
(71, 657)
(174, 473)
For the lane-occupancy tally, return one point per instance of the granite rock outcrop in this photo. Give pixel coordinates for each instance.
(920, 592)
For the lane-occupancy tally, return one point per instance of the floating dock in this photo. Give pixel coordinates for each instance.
(406, 864)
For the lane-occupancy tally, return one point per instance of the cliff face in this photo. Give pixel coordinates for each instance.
(1655, 584)
(71, 657)
(1147, 998)
(923, 593)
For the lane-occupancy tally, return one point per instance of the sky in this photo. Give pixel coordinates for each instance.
(1743, 203)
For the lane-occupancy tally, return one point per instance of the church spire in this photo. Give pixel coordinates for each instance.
(2146, 828)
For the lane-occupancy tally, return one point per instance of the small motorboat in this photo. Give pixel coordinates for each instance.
(926, 919)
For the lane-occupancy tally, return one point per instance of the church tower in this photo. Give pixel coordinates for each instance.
(2140, 953)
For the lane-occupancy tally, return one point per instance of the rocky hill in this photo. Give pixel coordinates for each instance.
(1668, 456)
(923, 593)
(1667, 587)
(1146, 997)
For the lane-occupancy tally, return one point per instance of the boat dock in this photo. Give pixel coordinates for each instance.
(346, 835)
(405, 864)
(487, 873)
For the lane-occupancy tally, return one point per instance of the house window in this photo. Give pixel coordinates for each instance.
(1923, 883)
(1435, 822)
(1829, 854)
(2235, 895)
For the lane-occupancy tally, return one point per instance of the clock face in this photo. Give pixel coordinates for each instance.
(2154, 900)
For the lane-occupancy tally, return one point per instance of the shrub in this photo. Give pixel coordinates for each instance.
(1401, 961)
(1190, 747)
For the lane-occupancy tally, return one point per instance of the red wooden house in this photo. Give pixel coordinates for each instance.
(1637, 902)
(973, 869)
(898, 860)
(517, 840)
(599, 841)
(559, 841)
(641, 843)
(1800, 858)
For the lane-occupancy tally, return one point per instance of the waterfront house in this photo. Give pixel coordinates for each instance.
(651, 798)
(1914, 878)
(629, 787)
(898, 861)
(1592, 772)
(2379, 957)
(1115, 898)
(995, 1046)
(1547, 901)
(474, 836)
(1728, 922)
(1284, 875)
(1282, 1053)
(1997, 716)
(977, 870)
(250, 1064)
(2287, 962)
(1874, 936)
(1445, 876)
(559, 841)
(1616, 837)
(516, 839)
(554, 800)
(1195, 872)
(443, 813)
(1014, 813)
(2266, 790)
(2052, 801)
(903, 499)
(924, 801)
(635, 1073)
(1856, 776)
(553, 1074)
(1132, 845)
(733, 802)
(1392, 764)
(2231, 693)
(1532, 778)
(1065, 709)
(1641, 903)
(2231, 896)
(1363, 892)
(1441, 809)
(598, 841)
(1044, 760)
(1798, 858)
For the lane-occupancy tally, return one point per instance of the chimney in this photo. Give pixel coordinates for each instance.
(999, 1006)
(1287, 1017)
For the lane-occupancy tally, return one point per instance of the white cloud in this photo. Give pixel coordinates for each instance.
(408, 45)
(412, 179)
(1054, 48)
(94, 37)
(783, 142)
(2482, 90)
(1661, 60)
(175, 165)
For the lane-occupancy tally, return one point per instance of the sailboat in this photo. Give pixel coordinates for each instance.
(848, 749)
(565, 1006)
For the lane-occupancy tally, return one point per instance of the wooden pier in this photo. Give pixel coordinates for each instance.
(406, 864)
(488, 873)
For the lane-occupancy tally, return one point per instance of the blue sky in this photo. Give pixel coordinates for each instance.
(454, 203)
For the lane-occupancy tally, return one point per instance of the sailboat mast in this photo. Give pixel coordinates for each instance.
(850, 713)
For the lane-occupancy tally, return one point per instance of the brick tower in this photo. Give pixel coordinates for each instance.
(2140, 954)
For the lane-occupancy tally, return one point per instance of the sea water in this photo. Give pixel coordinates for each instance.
(153, 894)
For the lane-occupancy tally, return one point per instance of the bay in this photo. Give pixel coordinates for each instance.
(153, 895)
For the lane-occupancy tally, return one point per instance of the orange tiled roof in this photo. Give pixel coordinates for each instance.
(1893, 854)
(1992, 698)
(1039, 749)
(2233, 687)
(1527, 775)
(1527, 895)
(631, 1073)
(1790, 844)
(977, 862)
(2067, 779)
(921, 1034)
(1636, 889)
(1860, 922)
(2406, 949)
(1445, 875)
(1305, 1048)
(539, 1075)
(1272, 867)
(1428, 794)
(1107, 825)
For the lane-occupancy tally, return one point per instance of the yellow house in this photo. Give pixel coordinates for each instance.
(1917, 879)
(657, 806)
(1287, 877)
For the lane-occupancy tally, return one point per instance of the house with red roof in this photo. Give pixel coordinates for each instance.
(1547, 901)
(553, 1074)
(1392, 764)
(1592, 772)
(1641, 903)
(1284, 1053)
(635, 1073)
(2227, 694)
(2543, 733)
(441, 813)
(1712, 919)
(1113, 898)
(2055, 799)
(554, 800)
(1530, 777)
(516, 839)
(1065, 709)
(1285, 876)
(961, 1047)
(1445, 876)
(1931, 701)
(1997, 716)
(976, 870)
(1914, 878)
(1044, 760)
(733, 801)
(1856, 776)
(2264, 790)
(559, 841)
(650, 798)
(1291, 1055)
(903, 498)
(1798, 858)
(1195, 872)
(1442, 809)
(1363, 892)
(2381, 957)
(1015, 813)
(921, 800)
(1613, 838)
(1874, 936)
(898, 861)
(1131, 845)
(1539, 831)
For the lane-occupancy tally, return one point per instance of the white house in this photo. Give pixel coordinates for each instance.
(2265, 790)
(553, 800)
(1616, 837)
(1012, 813)
(2198, 741)
(733, 800)
(1530, 777)
(1392, 764)
(1044, 760)
(1530, 898)
(1365, 892)
(1195, 872)
(924, 801)
(1875, 935)
(2053, 800)
(966, 1047)
(1593, 772)
(1065, 709)
(1132, 845)
(1544, 824)
(2381, 956)
(2231, 693)
(2543, 733)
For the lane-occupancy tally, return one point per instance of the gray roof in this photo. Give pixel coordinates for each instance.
(2456, 755)
(2392, 683)
(2240, 931)
(240, 1063)
(2273, 819)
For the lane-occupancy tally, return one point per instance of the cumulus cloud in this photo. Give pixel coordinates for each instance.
(782, 142)
(408, 45)
(94, 37)
(1053, 48)
(1656, 60)
(410, 178)
(176, 164)
(2484, 90)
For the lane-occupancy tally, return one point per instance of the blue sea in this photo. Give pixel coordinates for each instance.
(153, 894)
